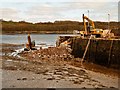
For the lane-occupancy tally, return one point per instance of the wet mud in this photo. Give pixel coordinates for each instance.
(55, 64)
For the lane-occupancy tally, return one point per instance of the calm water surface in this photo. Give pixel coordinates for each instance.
(49, 39)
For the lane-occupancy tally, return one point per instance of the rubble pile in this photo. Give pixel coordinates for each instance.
(51, 53)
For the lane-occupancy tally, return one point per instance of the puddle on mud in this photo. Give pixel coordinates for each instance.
(11, 62)
(1, 53)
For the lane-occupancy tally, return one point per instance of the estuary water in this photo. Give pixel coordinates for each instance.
(49, 39)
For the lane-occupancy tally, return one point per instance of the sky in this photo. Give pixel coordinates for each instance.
(58, 10)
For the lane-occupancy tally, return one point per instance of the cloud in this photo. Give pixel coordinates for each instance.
(51, 11)
(9, 13)
(47, 11)
(98, 10)
(94, 0)
(59, 1)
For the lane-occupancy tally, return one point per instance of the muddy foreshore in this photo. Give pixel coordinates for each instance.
(54, 64)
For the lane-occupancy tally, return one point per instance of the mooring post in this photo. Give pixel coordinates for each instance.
(29, 41)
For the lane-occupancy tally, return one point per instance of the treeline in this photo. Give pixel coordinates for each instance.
(11, 27)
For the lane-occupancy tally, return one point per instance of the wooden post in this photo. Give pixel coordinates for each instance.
(85, 51)
(109, 58)
(29, 41)
(96, 50)
(90, 52)
(74, 45)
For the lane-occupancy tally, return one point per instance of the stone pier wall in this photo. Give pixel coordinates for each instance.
(100, 51)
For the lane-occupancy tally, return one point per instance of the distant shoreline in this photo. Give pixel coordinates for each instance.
(58, 27)
(9, 33)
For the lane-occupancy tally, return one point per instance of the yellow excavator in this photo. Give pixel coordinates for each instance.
(90, 30)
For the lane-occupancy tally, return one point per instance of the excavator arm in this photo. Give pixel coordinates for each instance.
(84, 24)
(90, 21)
(94, 31)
